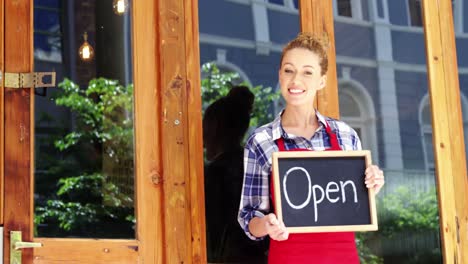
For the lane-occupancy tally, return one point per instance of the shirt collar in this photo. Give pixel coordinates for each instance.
(278, 130)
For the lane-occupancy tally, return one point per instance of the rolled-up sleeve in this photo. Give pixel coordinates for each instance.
(255, 189)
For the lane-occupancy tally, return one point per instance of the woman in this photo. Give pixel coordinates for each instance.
(299, 126)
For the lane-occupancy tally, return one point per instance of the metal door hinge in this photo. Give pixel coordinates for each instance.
(29, 79)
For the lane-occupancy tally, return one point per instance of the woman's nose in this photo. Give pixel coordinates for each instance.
(295, 79)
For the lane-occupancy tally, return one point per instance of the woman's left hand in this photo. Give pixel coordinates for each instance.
(374, 178)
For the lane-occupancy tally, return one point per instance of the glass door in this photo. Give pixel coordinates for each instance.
(69, 174)
(83, 127)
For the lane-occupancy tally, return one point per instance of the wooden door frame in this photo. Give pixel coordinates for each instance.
(447, 126)
(18, 159)
(168, 202)
(2, 110)
(17, 156)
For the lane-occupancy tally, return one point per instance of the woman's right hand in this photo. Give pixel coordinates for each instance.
(275, 228)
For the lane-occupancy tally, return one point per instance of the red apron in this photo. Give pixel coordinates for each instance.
(317, 248)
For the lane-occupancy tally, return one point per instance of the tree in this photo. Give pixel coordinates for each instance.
(88, 165)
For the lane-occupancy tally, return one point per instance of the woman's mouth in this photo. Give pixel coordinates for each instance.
(295, 91)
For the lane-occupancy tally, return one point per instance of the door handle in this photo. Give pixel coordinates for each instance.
(20, 245)
(16, 244)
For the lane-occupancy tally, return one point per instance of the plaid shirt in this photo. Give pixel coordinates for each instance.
(255, 200)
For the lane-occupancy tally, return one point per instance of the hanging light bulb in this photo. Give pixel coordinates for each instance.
(120, 6)
(86, 51)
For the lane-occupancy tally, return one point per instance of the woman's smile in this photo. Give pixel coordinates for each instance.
(296, 91)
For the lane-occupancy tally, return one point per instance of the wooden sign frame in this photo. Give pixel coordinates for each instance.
(373, 226)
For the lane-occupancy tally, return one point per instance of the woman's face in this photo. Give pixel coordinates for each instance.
(300, 77)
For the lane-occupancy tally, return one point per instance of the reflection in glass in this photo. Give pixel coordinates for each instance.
(86, 51)
(240, 43)
(84, 158)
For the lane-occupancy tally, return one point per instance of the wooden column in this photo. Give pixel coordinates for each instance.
(448, 139)
(148, 161)
(2, 103)
(18, 153)
(180, 127)
(317, 17)
(195, 134)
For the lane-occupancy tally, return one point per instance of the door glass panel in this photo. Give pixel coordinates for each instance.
(240, 43)
(383, 68)
(84, 158)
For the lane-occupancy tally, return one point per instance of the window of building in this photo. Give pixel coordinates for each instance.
(47, 32)
(457, 7)
(292, 4)
(277, 2)
(348, 8)
(296, 4)
(426, 134)
(415, 14)
(344, 8)
(426, 129)
(357, 110)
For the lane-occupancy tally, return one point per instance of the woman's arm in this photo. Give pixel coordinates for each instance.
(255, 198)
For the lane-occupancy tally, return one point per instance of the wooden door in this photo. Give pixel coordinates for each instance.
(145, 245)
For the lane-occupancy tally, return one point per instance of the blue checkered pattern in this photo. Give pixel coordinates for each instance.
(255, 200)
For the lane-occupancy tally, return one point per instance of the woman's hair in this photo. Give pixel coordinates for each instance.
(317, 44)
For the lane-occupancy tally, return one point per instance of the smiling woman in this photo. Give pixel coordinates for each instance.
(301, 127)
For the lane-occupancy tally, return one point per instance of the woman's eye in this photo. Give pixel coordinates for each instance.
(308, 73)
(288, 71)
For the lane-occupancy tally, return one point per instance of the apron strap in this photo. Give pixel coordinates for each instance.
(333, 140)
(280, 143)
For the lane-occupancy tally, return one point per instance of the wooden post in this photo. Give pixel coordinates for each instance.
(18, 52)
(195, 139)
(2, 109)
(317, 17)
(181, 146)
(148, 161)
(448, 138)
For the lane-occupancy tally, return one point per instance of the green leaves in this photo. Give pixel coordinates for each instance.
(407, 214)
(217, 84)
(103, 111)
(93, 164)
(406, 210)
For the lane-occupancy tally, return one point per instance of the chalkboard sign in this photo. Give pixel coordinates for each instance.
(323, 191)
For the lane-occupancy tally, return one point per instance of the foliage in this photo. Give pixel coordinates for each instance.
(76, 208)
(403, 213)
(87, 198)
(217, 84)
(406, 210)
(99, 110)
(366, 256)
